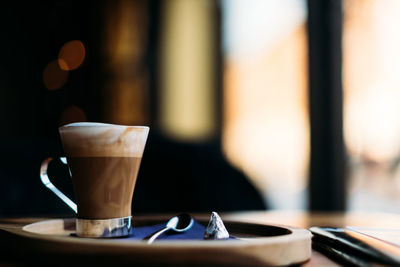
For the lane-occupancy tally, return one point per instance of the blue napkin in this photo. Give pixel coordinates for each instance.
(195, 232)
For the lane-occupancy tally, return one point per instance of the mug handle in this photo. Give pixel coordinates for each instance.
(46, 181)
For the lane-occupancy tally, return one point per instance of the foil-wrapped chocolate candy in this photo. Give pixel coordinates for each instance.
(216, 228)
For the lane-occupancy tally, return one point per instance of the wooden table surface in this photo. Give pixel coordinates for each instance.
(291, 218)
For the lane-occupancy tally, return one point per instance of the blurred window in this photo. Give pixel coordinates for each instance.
(371, 82)
(266, 128)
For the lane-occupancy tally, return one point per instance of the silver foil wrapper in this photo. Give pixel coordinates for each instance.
(216, 228)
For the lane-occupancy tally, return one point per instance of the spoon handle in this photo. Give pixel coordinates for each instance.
(157, 234)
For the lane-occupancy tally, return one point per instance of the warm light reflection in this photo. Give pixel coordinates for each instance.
(125, 43)
(53, 76)
(72, 114)
(71, 55)
(187, 108)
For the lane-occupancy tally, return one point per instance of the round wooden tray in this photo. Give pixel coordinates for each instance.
(257, 245)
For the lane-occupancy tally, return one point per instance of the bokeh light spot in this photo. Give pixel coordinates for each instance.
(71, 55)
(72, 114)
(53, 76)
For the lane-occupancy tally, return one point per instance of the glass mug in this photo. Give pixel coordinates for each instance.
(104, 161)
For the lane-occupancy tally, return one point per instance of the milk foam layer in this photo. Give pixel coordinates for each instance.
(89, 139)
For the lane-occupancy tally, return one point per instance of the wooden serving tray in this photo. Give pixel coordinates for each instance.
(258, 245)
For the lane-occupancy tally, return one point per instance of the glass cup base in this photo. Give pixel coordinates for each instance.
(116, 227)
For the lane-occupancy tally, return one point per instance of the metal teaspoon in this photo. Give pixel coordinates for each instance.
(179, 223)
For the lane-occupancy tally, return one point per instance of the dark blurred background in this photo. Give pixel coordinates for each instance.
(66, 61)
(281, 104)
